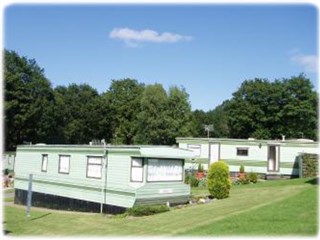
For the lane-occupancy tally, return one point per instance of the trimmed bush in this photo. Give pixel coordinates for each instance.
(218, 180)
(147, 210)
(253, 177)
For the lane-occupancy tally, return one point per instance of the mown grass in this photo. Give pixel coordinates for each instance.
(294, 215)
(285, 208)
(10, 199)
(9, 190)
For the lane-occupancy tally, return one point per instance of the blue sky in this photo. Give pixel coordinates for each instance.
(209, 49)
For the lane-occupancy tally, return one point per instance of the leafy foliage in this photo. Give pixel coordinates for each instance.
(200, 167)
(127, 113)
(310, 164)
(146, 210)
(163, 116)
(124, 98)
(202, 183)
(29, 102)
(131, 113)
(253, 177)
(200, 118)
(266, 110)
(152, 117)
(82, 113)
(179, 114)
(218, 180)
(192, 180)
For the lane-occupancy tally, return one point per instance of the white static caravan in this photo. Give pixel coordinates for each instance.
(268, 157)
(8, 159)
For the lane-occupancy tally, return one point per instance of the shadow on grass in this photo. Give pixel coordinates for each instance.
(42, 216)
(314, 181)
(6, 232)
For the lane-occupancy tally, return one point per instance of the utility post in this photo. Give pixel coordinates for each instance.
(29, 196)
(209, 128)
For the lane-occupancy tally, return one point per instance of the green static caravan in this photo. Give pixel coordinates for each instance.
(267, 157)
(100, 178)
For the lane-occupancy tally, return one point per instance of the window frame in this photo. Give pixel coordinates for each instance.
(59, 167)
(95, 164)
(42, 161)
(132, 167)
(195, 148)
(166, 159)
(242, 149)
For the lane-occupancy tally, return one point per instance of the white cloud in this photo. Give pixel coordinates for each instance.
(133, 37)
(308, 62)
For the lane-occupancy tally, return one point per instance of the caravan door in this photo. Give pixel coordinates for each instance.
(214, 152)
(273, 158)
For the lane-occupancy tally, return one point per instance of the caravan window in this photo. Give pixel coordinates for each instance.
(136, 170)
(196, 148)
(44, 163)
(64, 164)
(94, 167)
(165, 170)
(242, 151)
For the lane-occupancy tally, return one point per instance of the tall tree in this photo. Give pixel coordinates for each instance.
(83, 114)
(265, 110)
(29, 102)
(152, 120)
(180, 119)
(248, 110)
(219, 119)
(299, 108)
(200, 118)
(123, 97)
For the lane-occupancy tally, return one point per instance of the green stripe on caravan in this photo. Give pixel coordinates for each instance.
(97, 189)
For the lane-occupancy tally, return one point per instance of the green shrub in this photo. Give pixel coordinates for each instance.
(241, 170)
(200, 167)
(218, 180)
(187, 178)
(147, 210)
(193, 181)
(244, 179)
(202, 183)
(309, 165)
(253, 177)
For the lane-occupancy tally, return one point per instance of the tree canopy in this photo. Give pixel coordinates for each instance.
(267, 110)
(29, 102)
(130, 112)
(127, 113)
(123, 99)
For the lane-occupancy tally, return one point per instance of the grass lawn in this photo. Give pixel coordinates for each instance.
(8, 190)
(274, 208)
